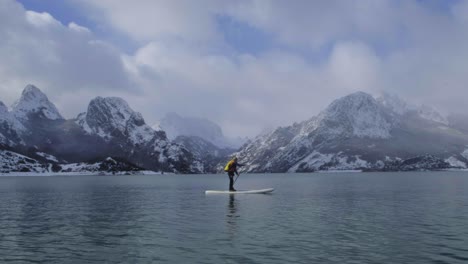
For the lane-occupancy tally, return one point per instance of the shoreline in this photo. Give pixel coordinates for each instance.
(71, 174)
(148, 172)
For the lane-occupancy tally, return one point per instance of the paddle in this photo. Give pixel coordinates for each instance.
(238, 174)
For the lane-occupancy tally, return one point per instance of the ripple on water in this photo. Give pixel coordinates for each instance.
(310, 218)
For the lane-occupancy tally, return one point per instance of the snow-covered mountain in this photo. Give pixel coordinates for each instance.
(175, 125)
(10, 128)
(353, 132)
(359, 132)
(356, 115)
(35, 101)
(112, 117)
(31, 111)
(112, 120)
(108, 128)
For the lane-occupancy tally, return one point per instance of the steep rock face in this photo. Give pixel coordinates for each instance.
(10, 128)
(270, 152)
(109, 128)
(112, 120)
(34, 100)
(3, 113)
(355, 132)
(358, 115)
(30, 116)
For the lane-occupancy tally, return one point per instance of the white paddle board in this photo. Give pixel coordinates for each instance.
(269, 190)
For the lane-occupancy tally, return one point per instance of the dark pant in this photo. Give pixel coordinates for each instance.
(231, 181)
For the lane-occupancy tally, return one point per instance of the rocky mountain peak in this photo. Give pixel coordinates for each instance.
(112, 117)
(110, 110)
(355, 100)
(34, 100)
(113, 111)
(357, 114)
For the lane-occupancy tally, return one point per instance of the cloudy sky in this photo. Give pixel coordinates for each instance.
(247, 64)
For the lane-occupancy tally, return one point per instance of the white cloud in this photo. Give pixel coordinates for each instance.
(148, 20)
(41, 19)
(78, 28)
(244, 93)
(354, 66)
(36, 48)
(460, 11)
(317, 23)
(184, 64)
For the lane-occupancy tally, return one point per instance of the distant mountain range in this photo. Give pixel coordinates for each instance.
(175, 125)
(359, 132)
(109, 128)
(356, 132)
(202, 137)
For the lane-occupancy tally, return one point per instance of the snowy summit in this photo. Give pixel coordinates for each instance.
(34, 100)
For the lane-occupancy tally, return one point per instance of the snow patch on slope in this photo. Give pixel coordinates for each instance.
(454, 162)
(12, 161)
(47, 156)
(317, 161)
(313, 161)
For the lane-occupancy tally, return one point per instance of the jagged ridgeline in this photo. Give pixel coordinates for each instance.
(356, 132)
(109, 128)
(361, 132)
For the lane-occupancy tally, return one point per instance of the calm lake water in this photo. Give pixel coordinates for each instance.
(309, 218)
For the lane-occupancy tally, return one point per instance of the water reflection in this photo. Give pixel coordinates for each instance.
(232, 215)
(359, 218)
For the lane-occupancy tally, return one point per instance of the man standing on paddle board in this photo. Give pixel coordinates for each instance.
(231, 168)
